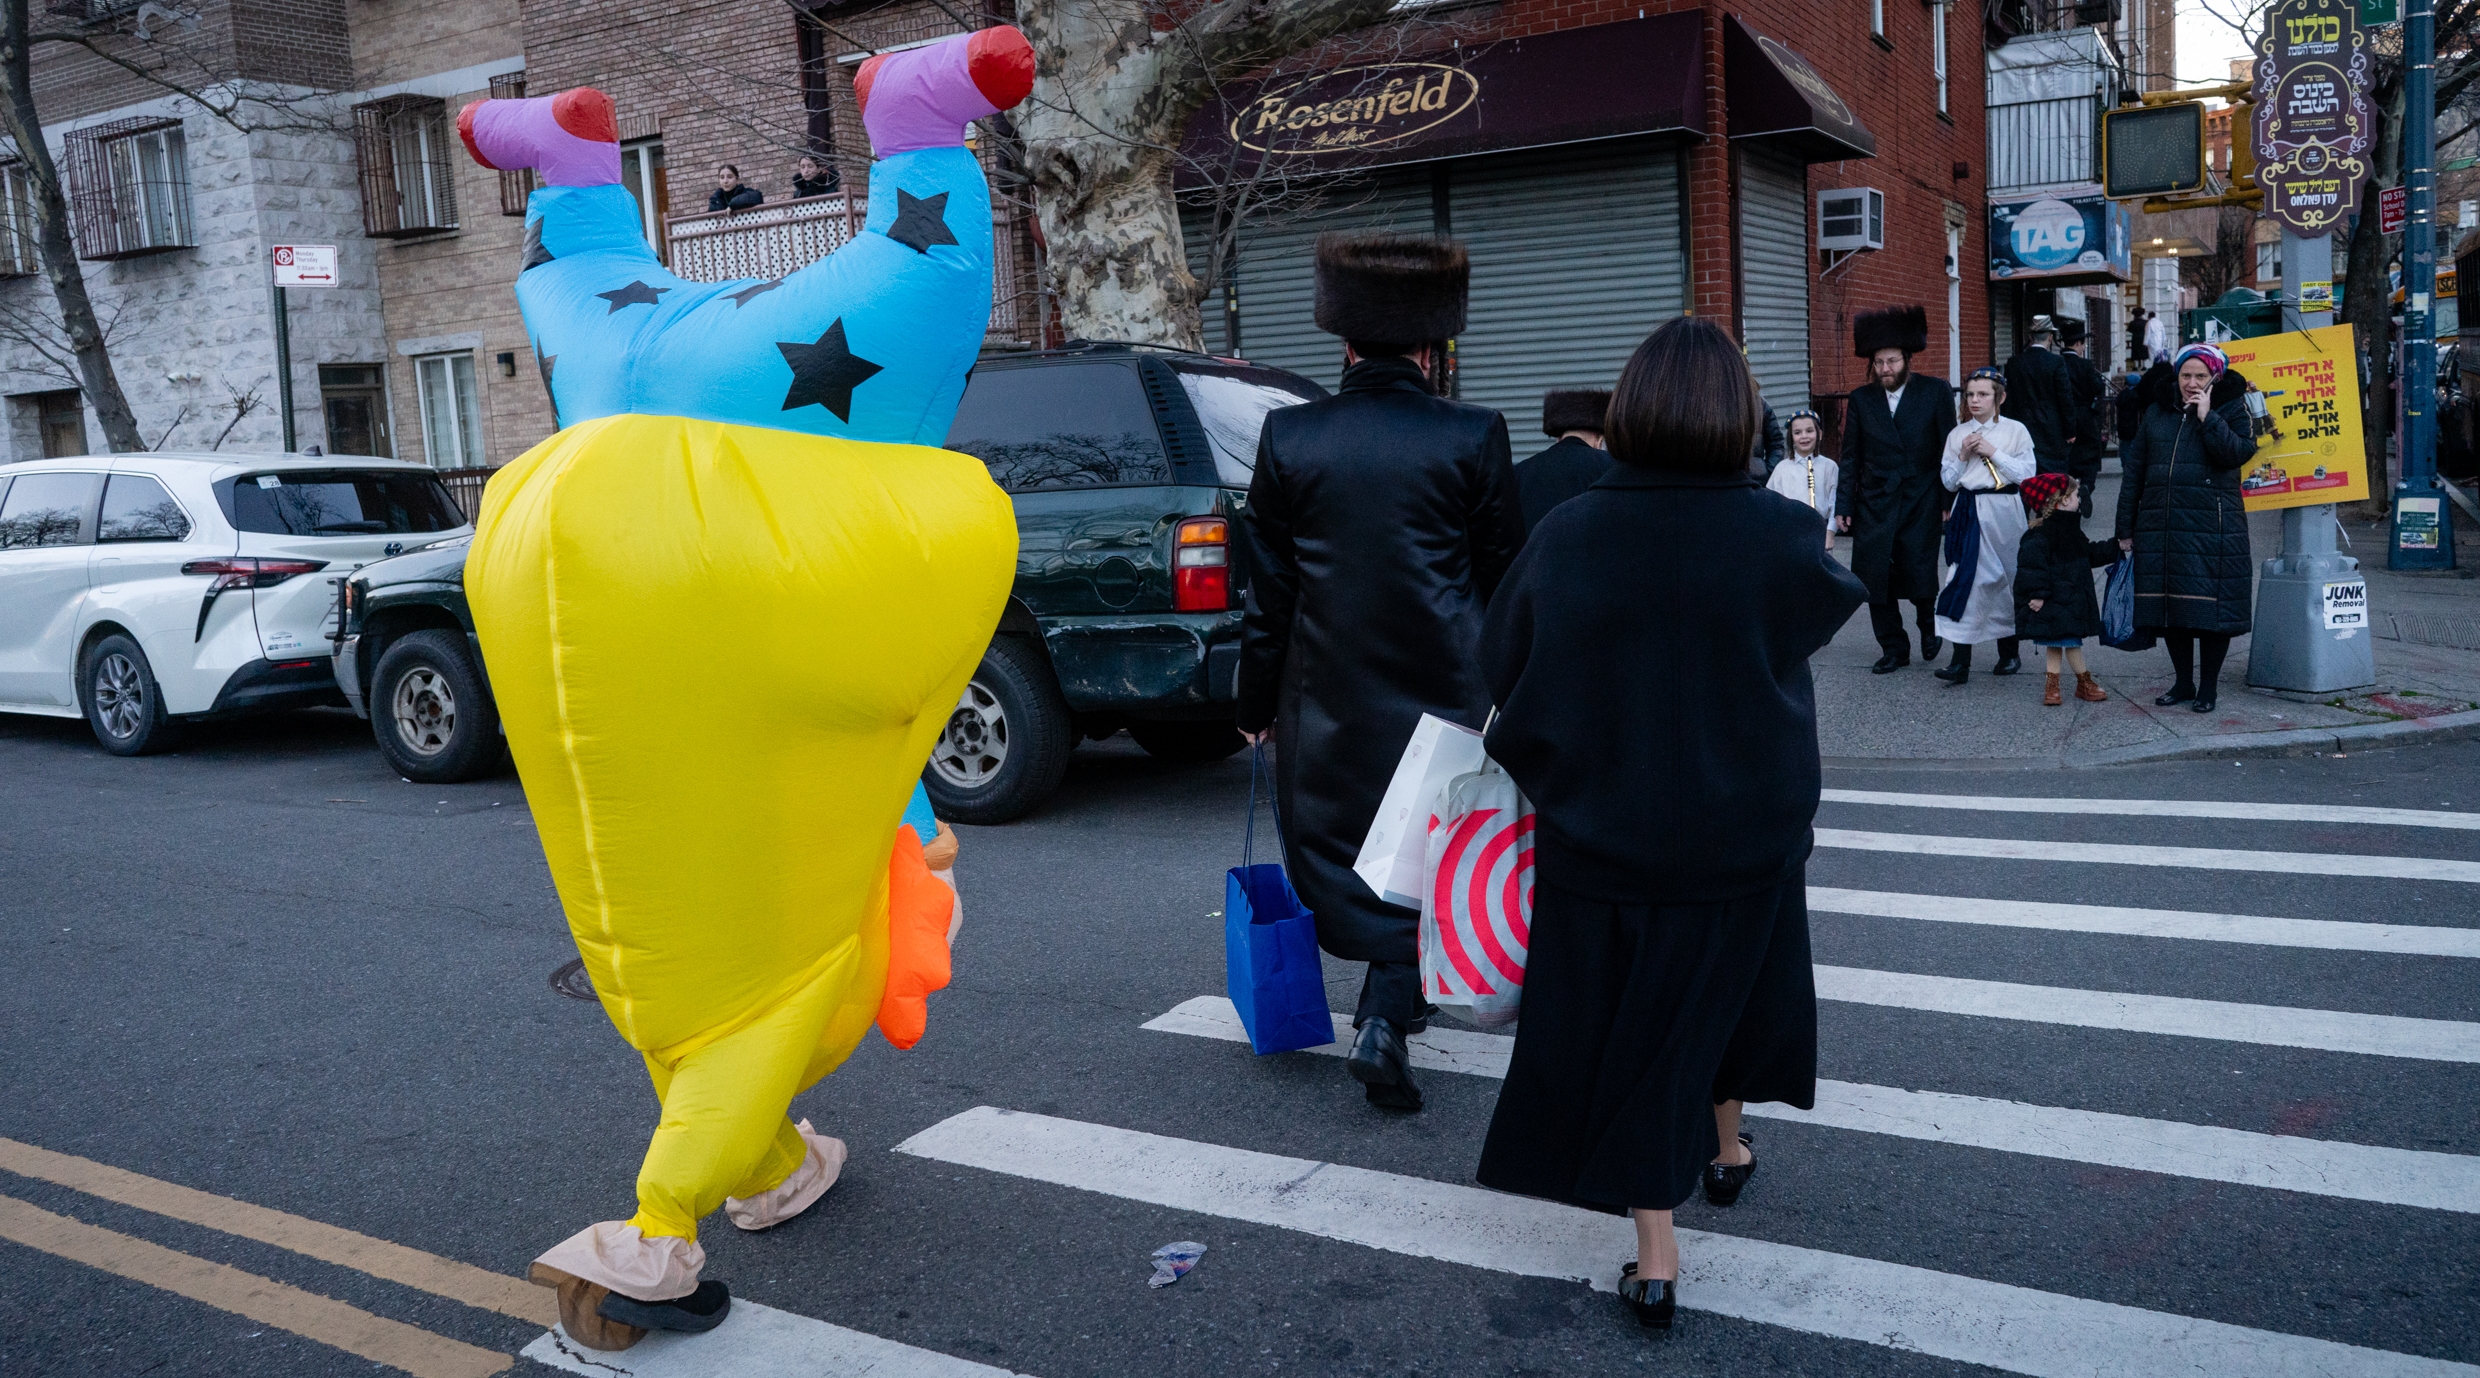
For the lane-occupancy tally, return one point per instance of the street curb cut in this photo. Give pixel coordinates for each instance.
(2305, 741)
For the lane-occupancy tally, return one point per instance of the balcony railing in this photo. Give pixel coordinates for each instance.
(779, 237)
(2043, 143)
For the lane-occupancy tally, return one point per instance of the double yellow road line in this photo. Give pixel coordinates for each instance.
(324, 1319)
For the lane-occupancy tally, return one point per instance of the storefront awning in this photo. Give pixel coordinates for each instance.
(1775, 96)
(1639, 76)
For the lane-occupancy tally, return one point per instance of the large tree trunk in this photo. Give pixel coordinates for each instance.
(2367, 296)
(1112, 98)
(60, 260)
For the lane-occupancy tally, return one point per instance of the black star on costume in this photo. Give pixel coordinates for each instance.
(920, 222)
(546, 362)
(535, 254)
(826, 372)
(742, 297)
(633, 294)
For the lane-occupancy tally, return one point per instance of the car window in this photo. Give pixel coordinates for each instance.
(1233, 407)
(136, 508)
(1070, 426)
(44, 509)
(342, 502)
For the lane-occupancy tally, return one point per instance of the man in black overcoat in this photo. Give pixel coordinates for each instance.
(1890, 497)
(1573, 417)
(2040, 392)
(2083, 452)
(1380, 520)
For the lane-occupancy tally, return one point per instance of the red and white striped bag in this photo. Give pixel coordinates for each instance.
(1477, 896)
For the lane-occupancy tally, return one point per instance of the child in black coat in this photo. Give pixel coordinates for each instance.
(2054, 601)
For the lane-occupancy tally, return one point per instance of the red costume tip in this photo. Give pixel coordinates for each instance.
(1001, 62)
(465, 131)
(863, 79)
(584, 112)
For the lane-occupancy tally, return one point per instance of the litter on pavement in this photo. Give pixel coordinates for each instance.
(1172, 1262)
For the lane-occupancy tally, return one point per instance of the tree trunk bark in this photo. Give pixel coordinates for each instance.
(60, 260)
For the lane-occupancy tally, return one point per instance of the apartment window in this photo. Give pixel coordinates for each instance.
(408, 170)
(1937, 46)
(641, 171)
(129, 188)
(17, 226)
(1877, 21)
(451, 409)
(516, 186)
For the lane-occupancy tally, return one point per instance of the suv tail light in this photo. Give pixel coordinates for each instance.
(243, 572)
(1201, 565)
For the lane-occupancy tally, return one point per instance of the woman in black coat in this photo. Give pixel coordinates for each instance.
(1668, 978)
(2179, 510)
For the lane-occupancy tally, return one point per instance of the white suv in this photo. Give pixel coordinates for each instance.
(139, 589)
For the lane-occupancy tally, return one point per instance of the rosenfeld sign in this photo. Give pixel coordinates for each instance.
(1355, 107)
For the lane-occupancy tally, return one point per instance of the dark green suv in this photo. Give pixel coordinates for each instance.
(1128, 468)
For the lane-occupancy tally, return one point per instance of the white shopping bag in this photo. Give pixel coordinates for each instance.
(1393, 854)
(1477, 897)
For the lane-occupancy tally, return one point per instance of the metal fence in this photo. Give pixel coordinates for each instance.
(2044, 143)
(765, 242)
(465, 485)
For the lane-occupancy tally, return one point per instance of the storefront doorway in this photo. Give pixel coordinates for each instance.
(353, 398)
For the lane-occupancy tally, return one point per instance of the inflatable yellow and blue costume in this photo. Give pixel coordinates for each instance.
(727, 609)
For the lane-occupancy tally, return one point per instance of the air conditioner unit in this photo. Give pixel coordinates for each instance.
(1851, 218)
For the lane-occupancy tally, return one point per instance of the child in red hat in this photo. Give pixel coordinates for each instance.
(2055, 605)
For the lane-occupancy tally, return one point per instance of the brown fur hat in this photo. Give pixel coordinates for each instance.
(1399, 289)
(1896, 327)
(1573, 409)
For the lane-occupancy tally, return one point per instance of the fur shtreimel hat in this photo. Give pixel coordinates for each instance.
(1896, 327)
(1403, 289)
(1573, 409)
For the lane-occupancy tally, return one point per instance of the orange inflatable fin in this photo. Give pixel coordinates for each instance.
(919, 905)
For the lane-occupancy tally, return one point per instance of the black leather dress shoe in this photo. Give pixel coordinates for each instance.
(694, 1314)
(1379, 1062)
(1890, 662)
(2203, 704)
(1654, 1300)
(2007, 665)
(1954, 674)
(2179, 693)
(1724, 1182)
(1929, 646)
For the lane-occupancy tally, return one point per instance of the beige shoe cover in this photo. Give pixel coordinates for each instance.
(616, 1255)
(795, 1193)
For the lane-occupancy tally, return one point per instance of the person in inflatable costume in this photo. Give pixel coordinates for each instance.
(727, 610)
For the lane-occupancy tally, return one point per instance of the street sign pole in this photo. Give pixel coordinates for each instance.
(284, 366)
(296, 265)
(2422, 535)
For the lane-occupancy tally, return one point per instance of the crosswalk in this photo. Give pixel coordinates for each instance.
(1944, 1312)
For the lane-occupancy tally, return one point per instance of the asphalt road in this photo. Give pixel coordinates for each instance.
(267, 968)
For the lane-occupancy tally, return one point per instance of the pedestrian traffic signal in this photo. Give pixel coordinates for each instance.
(2154, 150)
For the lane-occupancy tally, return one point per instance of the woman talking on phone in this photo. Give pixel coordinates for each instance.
(2179, 510)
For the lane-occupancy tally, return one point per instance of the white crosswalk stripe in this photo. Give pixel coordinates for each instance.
(1969, 1320)
(2248, 811)
(2406, 939)
(758, 1342)
(2359, 1172)
(2136, 854)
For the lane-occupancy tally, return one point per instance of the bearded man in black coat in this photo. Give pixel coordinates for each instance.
(2040, 392)
(1380, 520)
(1573, 417)
(1890, 497)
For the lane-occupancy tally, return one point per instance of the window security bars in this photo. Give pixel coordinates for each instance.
(514, 187)
(408, 176)
(129, 188)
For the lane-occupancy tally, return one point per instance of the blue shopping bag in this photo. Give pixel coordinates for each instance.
(2118, 609)
(1270, 947)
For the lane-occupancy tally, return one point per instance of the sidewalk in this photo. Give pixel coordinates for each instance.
(2427, 630)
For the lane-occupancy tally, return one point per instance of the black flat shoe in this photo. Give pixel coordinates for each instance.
(2201, 705)
(694, 1314)
(1725, 1181)
(1929, 646)
(1379, 1062)
(1953, 674)
(2178, 694)
(1654, 1300)
(2007, 666)
(1890, 662)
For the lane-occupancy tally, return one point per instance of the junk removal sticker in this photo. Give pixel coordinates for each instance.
(2312, 452)
(2346, 604)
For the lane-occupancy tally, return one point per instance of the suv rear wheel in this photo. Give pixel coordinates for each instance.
(123, 704)
(432, 713)
(1188, 743)
(1006, 745)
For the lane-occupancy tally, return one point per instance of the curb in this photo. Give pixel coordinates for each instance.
(2305, 741)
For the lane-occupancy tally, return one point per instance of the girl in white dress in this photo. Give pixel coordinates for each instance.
(1805, 475)
(1986, 457)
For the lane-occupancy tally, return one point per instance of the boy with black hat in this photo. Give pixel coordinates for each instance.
(1380, 520)
(1572, 417)
(1890, 497)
